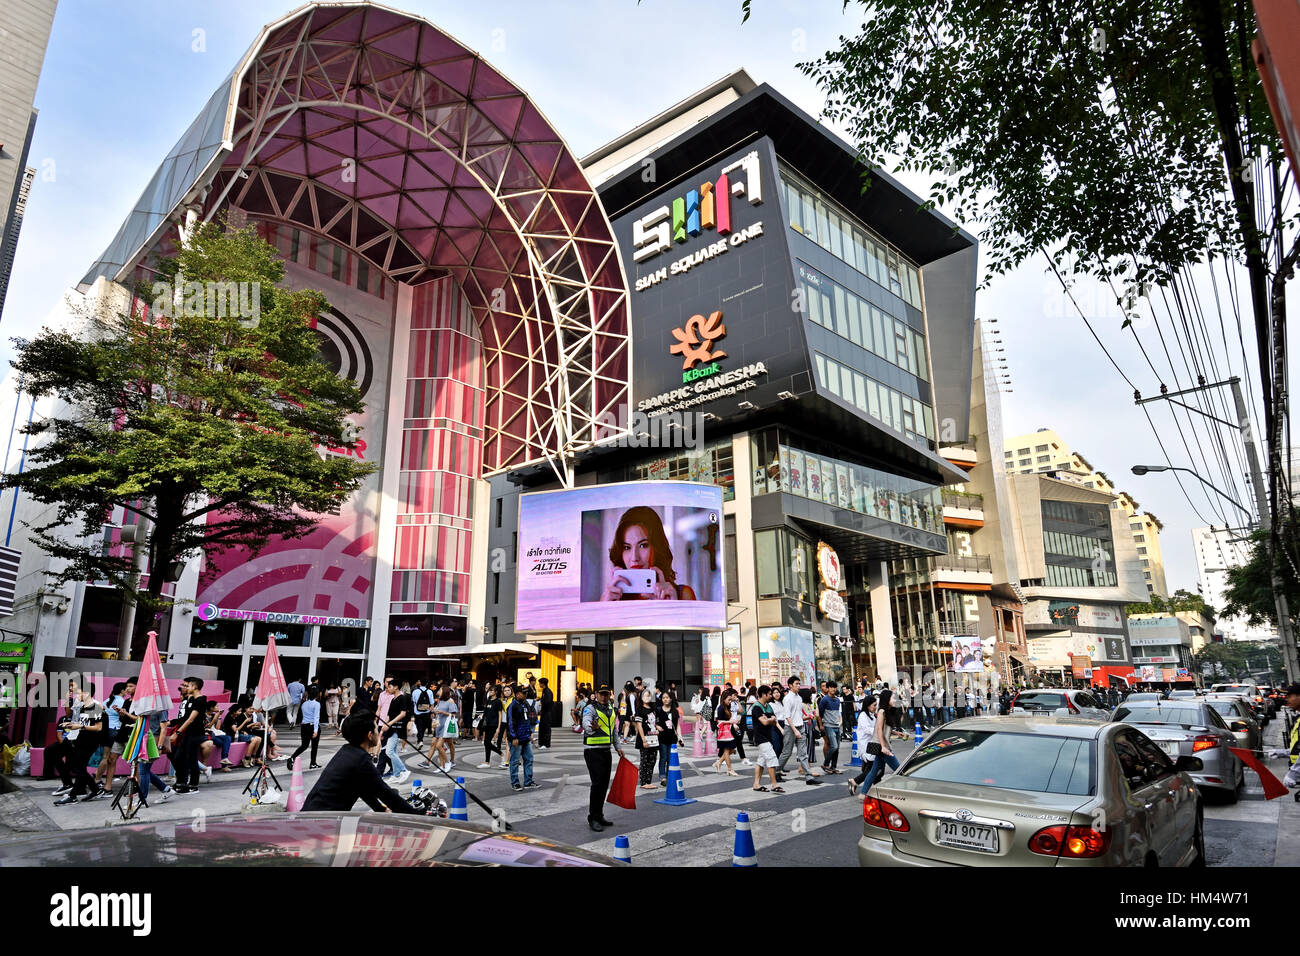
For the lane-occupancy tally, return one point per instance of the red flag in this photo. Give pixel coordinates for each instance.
(1273, 787)
(622, 792)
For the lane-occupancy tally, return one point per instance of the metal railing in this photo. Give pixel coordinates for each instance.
(963, 499)
(953, 562)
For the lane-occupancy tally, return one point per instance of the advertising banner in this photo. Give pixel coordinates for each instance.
(967, 655)
(631, 556)
(1080, 666)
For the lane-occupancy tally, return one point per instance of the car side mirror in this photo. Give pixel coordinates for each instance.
(1240, 726)
(1189, 763)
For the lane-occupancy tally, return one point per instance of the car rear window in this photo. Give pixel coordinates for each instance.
(1010, 761)
(1040, 701)
(1164, 714)
(1224, 706)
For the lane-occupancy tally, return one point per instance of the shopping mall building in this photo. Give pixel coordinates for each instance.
(507, 310)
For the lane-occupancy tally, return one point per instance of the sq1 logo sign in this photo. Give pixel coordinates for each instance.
(704, 207)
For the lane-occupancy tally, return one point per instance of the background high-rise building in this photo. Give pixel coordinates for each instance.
(1217, 550)
(24, 32)
(1045, 452)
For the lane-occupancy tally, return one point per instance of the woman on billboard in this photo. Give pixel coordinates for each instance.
(640, 548)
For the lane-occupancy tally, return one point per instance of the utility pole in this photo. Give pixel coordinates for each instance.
(1285, 632)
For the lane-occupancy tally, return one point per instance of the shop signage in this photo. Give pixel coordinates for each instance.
(705, 207)
(1080, 666)
(210, 612)
(695, 344)
(828, 568)
(1155, 660)
(705, 390)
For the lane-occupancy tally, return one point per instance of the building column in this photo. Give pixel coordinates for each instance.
(478, 563)
(390, 476)
(882, 622)
(746, 570)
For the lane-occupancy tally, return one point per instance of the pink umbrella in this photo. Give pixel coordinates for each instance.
(272, 690)
(151, 696)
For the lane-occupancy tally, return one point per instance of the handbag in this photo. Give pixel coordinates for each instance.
(651, 741)
(873, 749)
(453, 727)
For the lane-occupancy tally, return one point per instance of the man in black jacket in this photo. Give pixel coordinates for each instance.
(351, 775)
(544, 715)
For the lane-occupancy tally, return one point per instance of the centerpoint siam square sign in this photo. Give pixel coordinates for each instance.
(210, 612)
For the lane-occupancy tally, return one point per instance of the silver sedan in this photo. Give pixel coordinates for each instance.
(1035, 791)
(1191, 728)
(1240, 720)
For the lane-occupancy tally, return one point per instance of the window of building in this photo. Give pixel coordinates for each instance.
(500, 510)
(1043, 458)
(1146, 562)
(710, 465)
(1040, 448)
(849, 316)
(829, 225)
(1146, 574)
(1025, 463)
(1139, 538)
(1142, 550)
(1022, 451)
(909, 416)
(496, 587)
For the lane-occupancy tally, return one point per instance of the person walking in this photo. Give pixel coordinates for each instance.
(189, 733)
(333, 702)
(645, 723)
(546, 703)
(394, 728)
(83, 728)
(877, 748)
(446, 731)
(470, 701)
(666, 719)
(767, 732)
(296, 693)
(520, 733)
(310, 730)
(829, 710)
(493, 727)
(726, 739)
(598, 735)
(422, 700)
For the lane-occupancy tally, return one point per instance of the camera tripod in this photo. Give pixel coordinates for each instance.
(257, 783)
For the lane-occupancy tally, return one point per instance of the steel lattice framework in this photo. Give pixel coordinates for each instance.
(373, 128)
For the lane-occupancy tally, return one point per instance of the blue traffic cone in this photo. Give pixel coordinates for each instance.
(857, 757)
(918, 733)
(744, 854)
(622, 851)
(459, 808)
(676, 786)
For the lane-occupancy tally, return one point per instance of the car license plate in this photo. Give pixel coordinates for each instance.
(968, 836)
(1170, 747)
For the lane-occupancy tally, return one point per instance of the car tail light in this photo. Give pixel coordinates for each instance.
(881, 813)
(1070, 704)
(1076, 843)
(1013, 703)
(1204, 742)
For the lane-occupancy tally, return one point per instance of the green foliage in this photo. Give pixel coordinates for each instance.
(1087, 131)
(206, 424)
(1239, 660)
(1181, 600)
(1249, 593)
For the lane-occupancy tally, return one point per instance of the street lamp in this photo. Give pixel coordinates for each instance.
(1143, 469)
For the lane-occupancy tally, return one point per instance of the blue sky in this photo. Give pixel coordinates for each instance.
(122, 81)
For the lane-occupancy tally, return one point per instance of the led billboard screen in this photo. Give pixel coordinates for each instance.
(640, 555)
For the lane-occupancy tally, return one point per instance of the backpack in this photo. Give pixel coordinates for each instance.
(422, 697)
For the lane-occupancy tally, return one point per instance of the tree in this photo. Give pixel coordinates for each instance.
(1180, 600)
(202, 419)
(1239, 660)
(1249, 592)
(1092, 135)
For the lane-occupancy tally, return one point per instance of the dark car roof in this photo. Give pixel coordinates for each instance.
(296, 839)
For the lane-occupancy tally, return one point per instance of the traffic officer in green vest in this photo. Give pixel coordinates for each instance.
(598, 736)
(1292, 739)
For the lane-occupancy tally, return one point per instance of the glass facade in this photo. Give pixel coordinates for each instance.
(786, 462)
(1077, 545)
(826, 223)
(852, 317)
(908, 416)
(710, 465)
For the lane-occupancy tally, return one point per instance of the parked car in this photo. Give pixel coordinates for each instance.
(1250, 694)
(1183, 695)
(357, 838)
(1078, 703)
(1035, 791)
(1187, 728)
(1272, 700)
(1240, 720)
(1142, 697)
